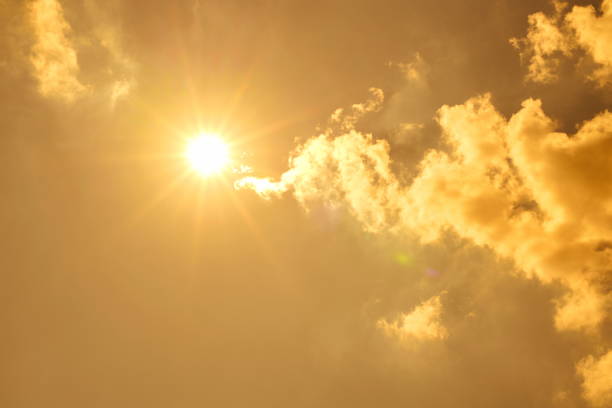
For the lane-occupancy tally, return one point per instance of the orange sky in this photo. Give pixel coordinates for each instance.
(417, 212)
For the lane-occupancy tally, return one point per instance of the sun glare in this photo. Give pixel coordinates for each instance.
(207, 154)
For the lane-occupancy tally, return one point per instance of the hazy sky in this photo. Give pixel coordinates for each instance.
(426, 218)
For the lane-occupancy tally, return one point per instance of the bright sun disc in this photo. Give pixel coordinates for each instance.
(207, 154)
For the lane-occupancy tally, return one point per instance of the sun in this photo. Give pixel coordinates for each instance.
(207, 154)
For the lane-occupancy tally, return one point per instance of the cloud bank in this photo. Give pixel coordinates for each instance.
(535, 196)
(538, 197)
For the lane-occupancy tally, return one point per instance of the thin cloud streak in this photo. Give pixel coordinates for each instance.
(54, 58)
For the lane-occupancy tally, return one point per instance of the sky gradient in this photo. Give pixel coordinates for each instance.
(418, 212)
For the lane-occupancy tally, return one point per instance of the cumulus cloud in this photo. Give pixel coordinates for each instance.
(422, 323)
(533, 195)
(544, 44)
(505, 186)
(54, 58)
(352, 169)
(597, 379)
(594, 34)
(551, 38)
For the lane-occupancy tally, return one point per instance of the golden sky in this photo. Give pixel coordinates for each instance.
(296, 203)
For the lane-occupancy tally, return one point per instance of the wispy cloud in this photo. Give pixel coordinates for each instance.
(415, 70)
(120, 67)
(54, 58)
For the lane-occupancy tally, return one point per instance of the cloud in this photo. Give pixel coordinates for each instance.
(59, 57)
(411, 127)
(501, 184)
(505, 187)
(415, 70)
(594, 34)
(107, 35)
(264, 187)
(347, 120)
(352, 169)
(407, 133)
(597, 379)
(119, 90)
(551, 38)
(54, 58)
(422, 323)
(543, 46)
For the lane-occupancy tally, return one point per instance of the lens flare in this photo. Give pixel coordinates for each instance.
(207, 154)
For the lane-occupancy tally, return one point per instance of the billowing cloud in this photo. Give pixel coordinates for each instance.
(543, 46)
(503, 184)
(597, 379)
(422, 323)
(551, 38)
(54, 58)
(352, 168)
(594, 34)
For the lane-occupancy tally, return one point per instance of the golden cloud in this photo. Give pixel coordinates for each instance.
(415, 70)
(107, 35)
(549, 38)
(544, 44)
(54, 58)
(594, 34)
(347, 120)
(597, 379)
(533, 195)
(422, 323)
